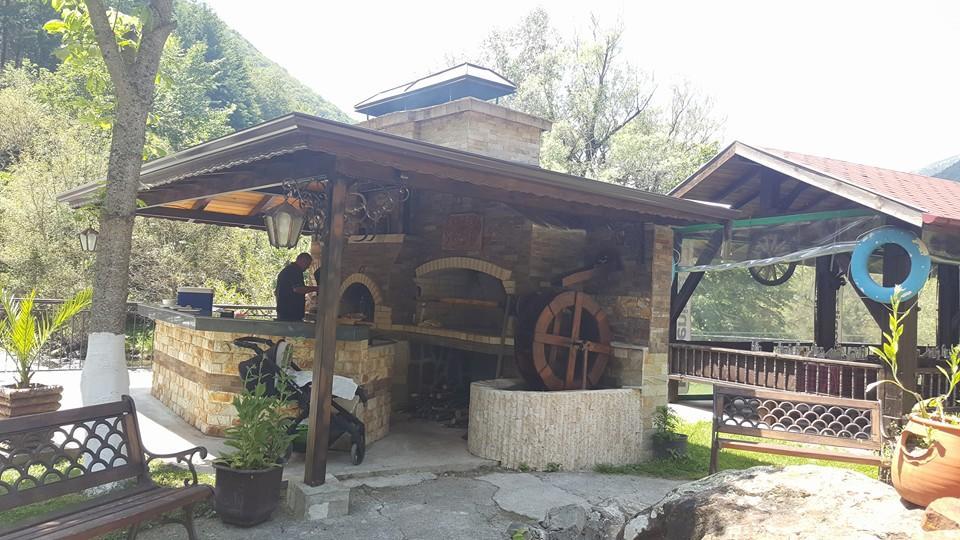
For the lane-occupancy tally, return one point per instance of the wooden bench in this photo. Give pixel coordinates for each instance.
(826, 427)
(44, 456)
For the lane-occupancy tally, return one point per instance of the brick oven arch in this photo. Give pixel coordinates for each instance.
(383, 314)
(367, 282)
(468, 263)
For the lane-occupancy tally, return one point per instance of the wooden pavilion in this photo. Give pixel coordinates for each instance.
(773, 187)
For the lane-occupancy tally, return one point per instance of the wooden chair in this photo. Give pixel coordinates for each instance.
(826, 427)
(44, 456)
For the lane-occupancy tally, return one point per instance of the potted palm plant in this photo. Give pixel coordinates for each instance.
(23, 334)
(249, 479)
(926, 461)
(667, 442)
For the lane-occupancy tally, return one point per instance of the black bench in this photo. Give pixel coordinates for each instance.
(826, 427)
(48, 455)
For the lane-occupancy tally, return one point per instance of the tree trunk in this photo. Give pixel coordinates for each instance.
(104, 376)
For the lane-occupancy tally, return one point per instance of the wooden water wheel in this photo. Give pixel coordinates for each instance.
(563, 342)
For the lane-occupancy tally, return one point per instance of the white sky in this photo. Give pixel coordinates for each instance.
(874, 82)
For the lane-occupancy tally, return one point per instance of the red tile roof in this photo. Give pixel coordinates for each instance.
(937, 198)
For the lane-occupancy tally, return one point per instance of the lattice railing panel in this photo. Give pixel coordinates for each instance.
(797, 417)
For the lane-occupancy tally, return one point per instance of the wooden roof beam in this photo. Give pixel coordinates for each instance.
(265, 175)
(194, 216)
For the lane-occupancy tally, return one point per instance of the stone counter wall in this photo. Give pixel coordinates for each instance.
(195, 375)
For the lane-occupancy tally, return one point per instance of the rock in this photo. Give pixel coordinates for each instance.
(604, 523)
(805, 501)
(942, 515)
(522, 531)
(565, 522)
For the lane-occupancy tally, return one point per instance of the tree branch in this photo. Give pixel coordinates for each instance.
(107, 41)
(640, 108)
(152, 40)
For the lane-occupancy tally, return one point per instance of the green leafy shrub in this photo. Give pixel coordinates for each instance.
(23, 333)
(260, 437)
(933, 407)
(666, 424)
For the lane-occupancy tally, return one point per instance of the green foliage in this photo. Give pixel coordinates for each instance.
(552, 467)
(23, 333)
(666, 424)
(54, 136)
(260, 437)
(21, 42)
(609, 120)
(696, 464)
(889, 352)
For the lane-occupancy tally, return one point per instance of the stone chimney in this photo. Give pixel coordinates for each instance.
(451, 108)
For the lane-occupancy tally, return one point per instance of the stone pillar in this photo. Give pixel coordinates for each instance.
(656, 360)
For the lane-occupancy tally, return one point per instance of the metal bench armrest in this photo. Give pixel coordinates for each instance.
(185, 456)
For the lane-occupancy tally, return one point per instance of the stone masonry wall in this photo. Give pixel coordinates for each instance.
(470, 124)
(195, 375)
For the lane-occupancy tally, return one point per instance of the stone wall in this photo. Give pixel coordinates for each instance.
(470, 124)
(195, 375)
(576, 429)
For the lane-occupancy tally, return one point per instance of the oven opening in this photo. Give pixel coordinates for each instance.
(357, 304)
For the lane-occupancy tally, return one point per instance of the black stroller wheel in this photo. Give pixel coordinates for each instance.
(358, 450)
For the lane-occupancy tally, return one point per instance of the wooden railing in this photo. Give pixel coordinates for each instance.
(840, 378)
(931, 383)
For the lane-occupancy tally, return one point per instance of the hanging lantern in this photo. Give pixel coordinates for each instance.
(88, 239)
(284, 224)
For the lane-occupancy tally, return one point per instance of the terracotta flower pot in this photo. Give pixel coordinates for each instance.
(922, 475)
(38, 398)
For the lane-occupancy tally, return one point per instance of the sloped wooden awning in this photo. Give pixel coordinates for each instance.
(766, 182)
(233, 180)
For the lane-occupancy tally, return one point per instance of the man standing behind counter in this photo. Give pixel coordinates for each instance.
(291, 292)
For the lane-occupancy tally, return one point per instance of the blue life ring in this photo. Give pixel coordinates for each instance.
(919, 263)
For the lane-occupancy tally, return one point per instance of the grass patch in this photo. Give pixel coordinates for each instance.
(697, 463)
(163, 474)
(698, 389)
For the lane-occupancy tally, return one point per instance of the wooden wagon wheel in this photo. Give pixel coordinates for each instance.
(571, 342)
(771, 274)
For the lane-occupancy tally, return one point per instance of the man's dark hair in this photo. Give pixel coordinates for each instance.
(304, 256)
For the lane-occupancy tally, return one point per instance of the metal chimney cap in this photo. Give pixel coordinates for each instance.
(464, 80)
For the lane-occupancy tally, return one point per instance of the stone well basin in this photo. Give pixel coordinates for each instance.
(574, 429)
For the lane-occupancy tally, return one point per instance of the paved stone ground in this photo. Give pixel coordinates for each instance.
(459, 506)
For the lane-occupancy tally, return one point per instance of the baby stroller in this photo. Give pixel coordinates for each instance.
(265, 367)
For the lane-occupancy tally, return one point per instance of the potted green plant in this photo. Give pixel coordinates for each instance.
(23, 334)
(249, 479)
(926, 461)
(667, 442)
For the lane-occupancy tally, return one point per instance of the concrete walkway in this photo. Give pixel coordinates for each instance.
(430, 507)
(420, 446)
(417, 483)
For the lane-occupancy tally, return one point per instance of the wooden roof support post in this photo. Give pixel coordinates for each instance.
(948, 303)
(325, 342)
(896, 266)
(694, 278)
(825, 308)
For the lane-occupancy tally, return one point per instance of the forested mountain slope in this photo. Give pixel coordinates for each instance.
(55, 120)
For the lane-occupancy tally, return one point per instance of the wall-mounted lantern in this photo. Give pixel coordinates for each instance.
(88, 239)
